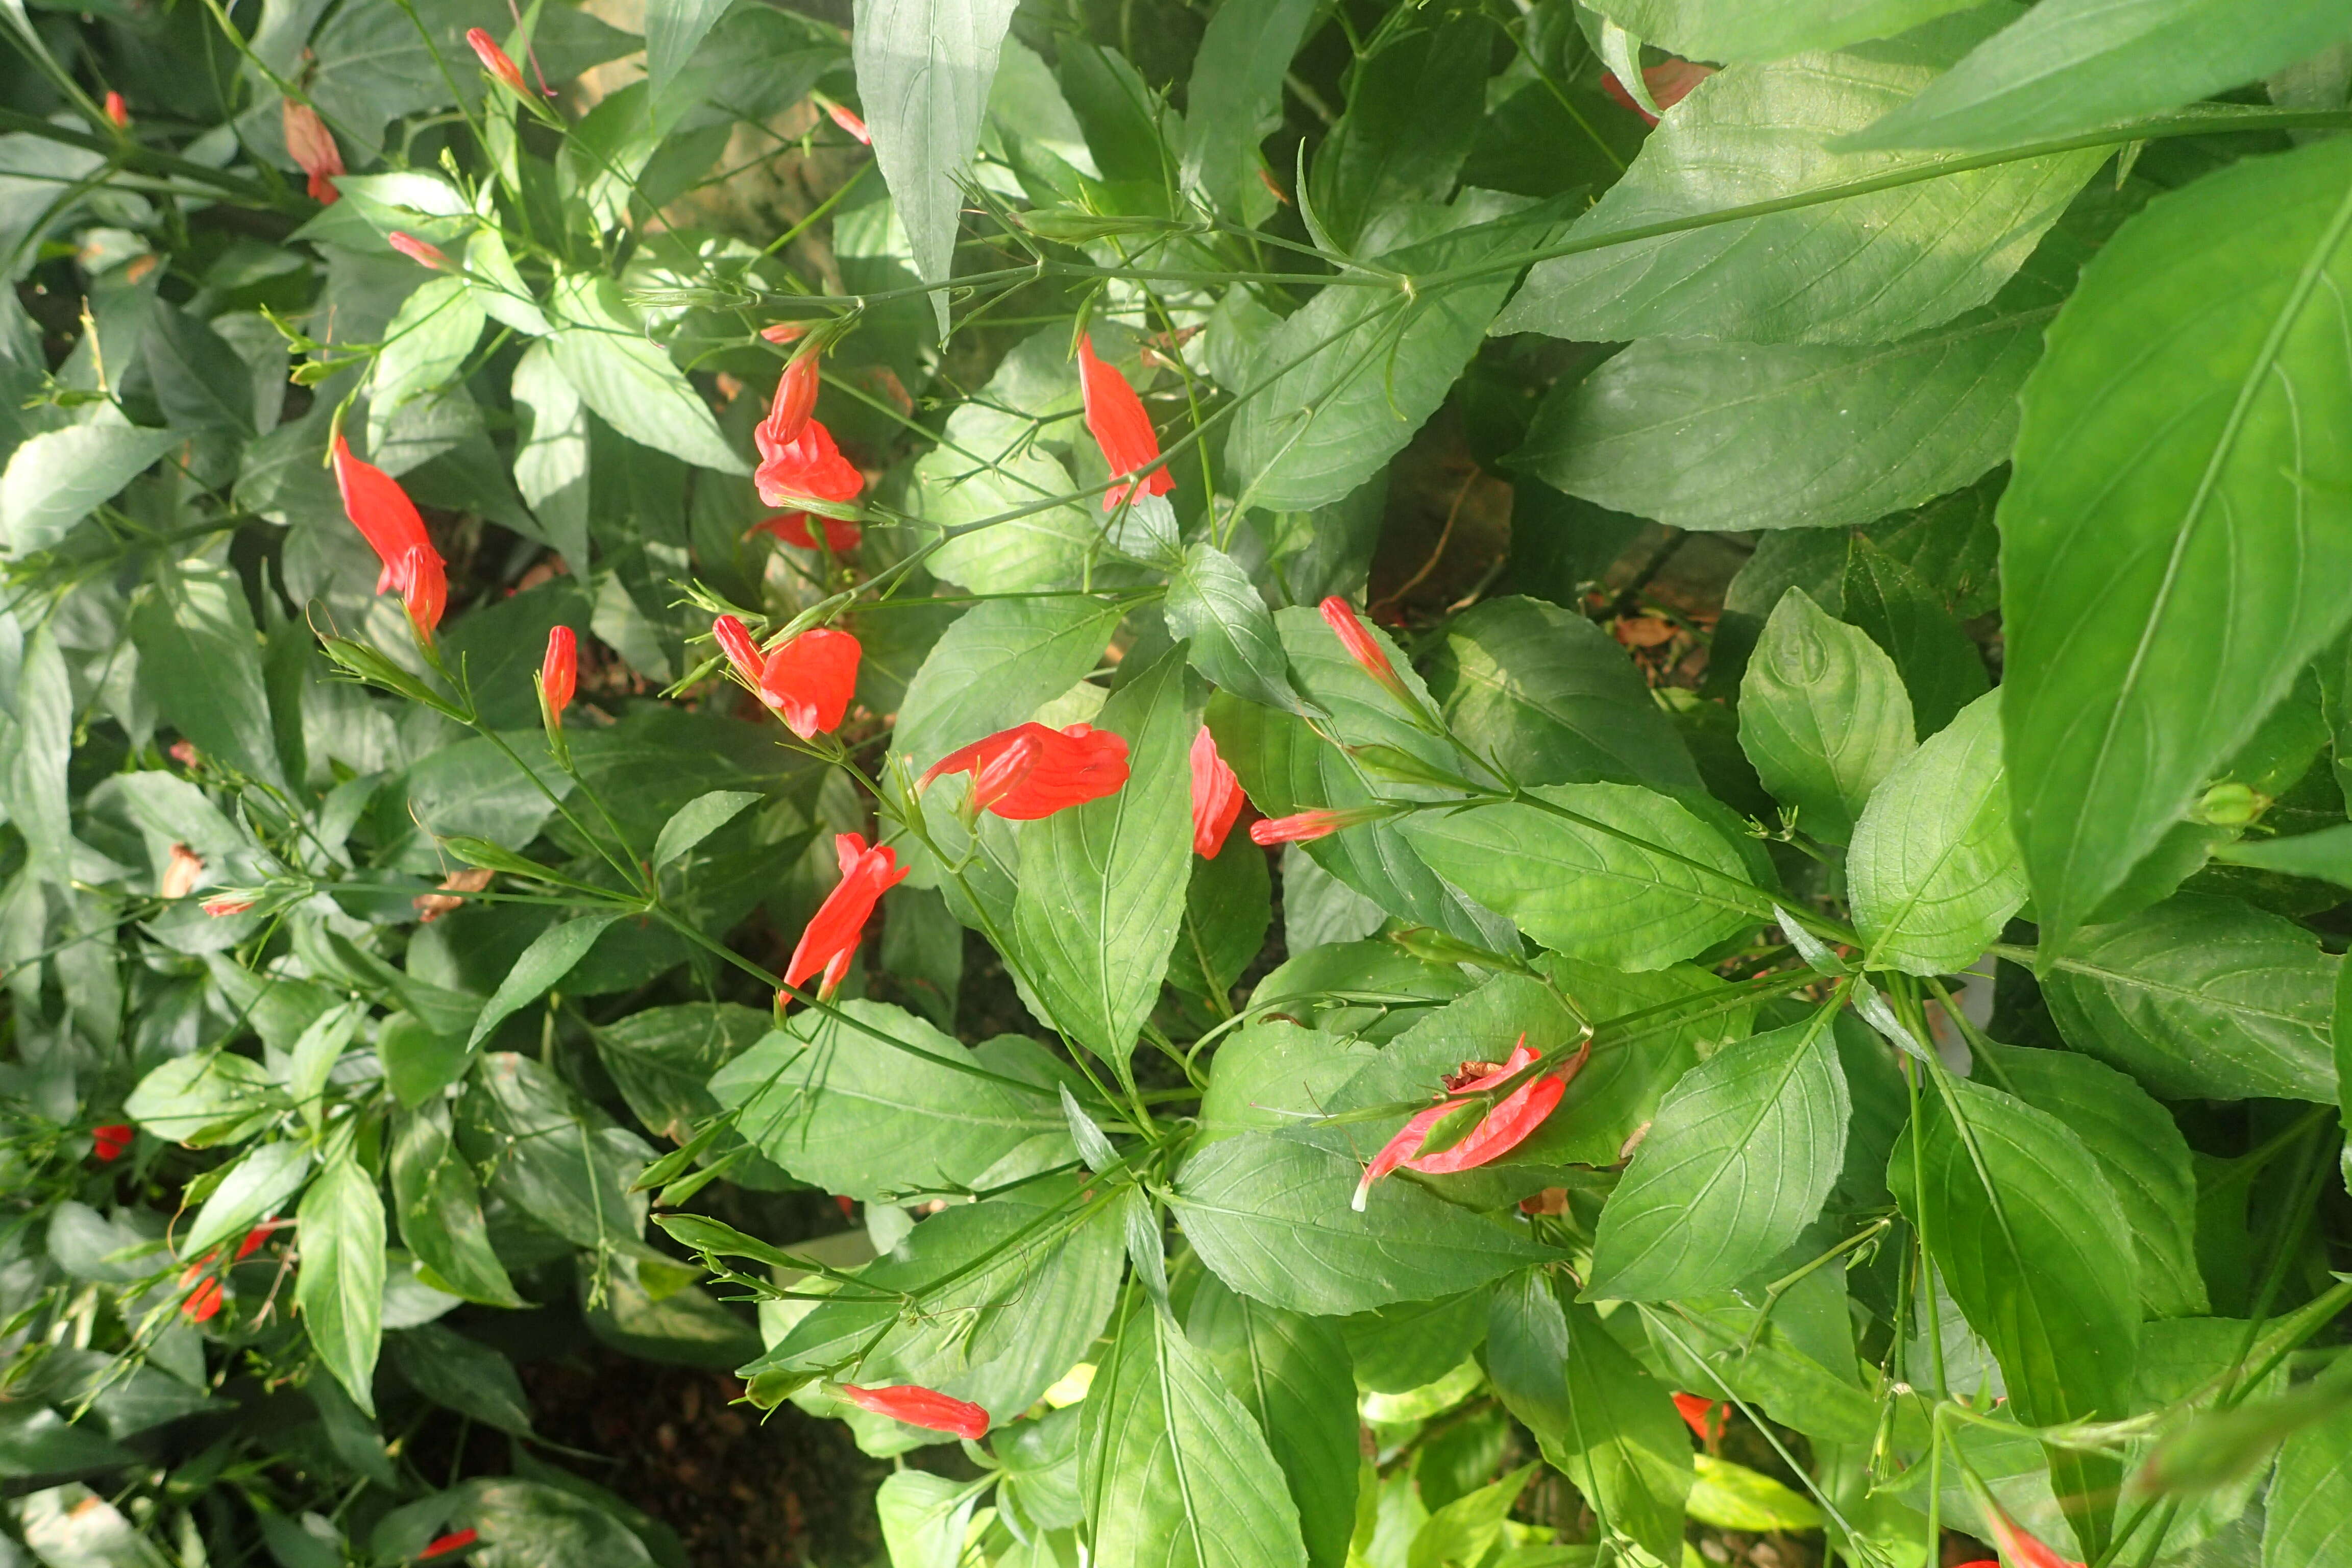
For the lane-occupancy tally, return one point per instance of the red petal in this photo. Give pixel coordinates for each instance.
(811, 680)
(922, 1407)
(1216, 796)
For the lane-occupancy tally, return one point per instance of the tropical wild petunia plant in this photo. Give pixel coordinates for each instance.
(610, 637)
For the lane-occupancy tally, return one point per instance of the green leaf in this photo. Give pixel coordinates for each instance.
(674, 29)
(843, 1111)
(698, 819)
(1467, 1527)
(1822, 715)
(543, 964)
(1864, 269)
(1733, 1496)
(201, 659)
(1372, 363)
(316, 1051)
(2201, 997)
(2073, 65)
(1552, 699)
(2142, 1153)
(662, 1059)
(1941, 669)
(2324, 855)
(1000, 663)
(1102, 884)
(1630, 878)
(255, 1186)
(1743, 1150)
(1271, 1217)
(1292, 1374)
(2171, 537)
(1270, 1074)
(1414, 101)
(549, 1156)
(1768, 30)
(339, 1287)
(200, 382)
(993, 461)
(1212, 603)
(1233, 100)
(439, 1208)
(427, 345)
(550, 463)
(1934, 872)
(1228, 905)
(2307, 1522)
(923, 1517)
(923, 72)
(2031, 1244)
(629, 383)
(1599, 1419)
(1171, 1466)
(462, 1374)
(57, 477)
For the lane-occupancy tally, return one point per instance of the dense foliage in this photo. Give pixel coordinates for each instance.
(612, 641)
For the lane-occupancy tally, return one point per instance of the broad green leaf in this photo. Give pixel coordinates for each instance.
(1743, 1150)
(1864, 269)
(2032, 1243)
(57, 477)
(2201, 997)
(1372, 364)
(525, 1524)
(923, 72)
(552, 1158)
(2073, 65)
(991, 462)
(313, 1061)
(1102, 884)
(1934, 872)
(1228, 905)
(674, 29)
(551, 463)
(2324, 855)
(923, 1517)
(201, 660)
(1414, 1343)
(1733, 1496)
(698, 819)
(339, 1287)
(1272, 1074)
(427, 345)
(1212, 603)
(628, 382)
(1271, 1217)
(843, 1111)
(1172, 1469)
(200, 381)
(1599, 1419)
(1767, 29)
(37, 746)
(1634, 1060)
(996, 665)
(543, 964)
(1611, 872)
(198, 1099)
(438, 1206)
(2308, 1520)
(1805, 1380)
(461, 1375)
(1906, 617)
(1552, 699)
(2171, 535)
(255, 1186)
(1467, 1527)
(1233, 99)
(2140, 1150)
(1414, 107)
(1292, 1374)
(1822, 715)
(662, 1059)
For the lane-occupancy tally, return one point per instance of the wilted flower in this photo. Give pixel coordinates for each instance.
(431, 907)
(312, 147)
(1500, 1131)
(182, 875)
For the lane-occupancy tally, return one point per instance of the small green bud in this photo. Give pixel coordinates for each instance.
(2231, 806)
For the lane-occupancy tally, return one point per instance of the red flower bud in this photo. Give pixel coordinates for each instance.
(1029, 771)
(559, 672)
(427, 589)
(1701, 1415)
(785, 331)
(1216, 796)
(833, 934)
(494, 58)
(118, 113)
(1365, 649)
(922, 1407)
(849, 122)
(456, 1540)
(1120, 427)
(1306, 826)
(1498, 1132)
(735, 640)
(795, 400)
(111, 1140)
(421, 253)
(807, 468)
(201, 1304)
(1669, 81)
(312, 147)
(217, 908)
(253, 1238)
(2020, 1548)
(841, 535)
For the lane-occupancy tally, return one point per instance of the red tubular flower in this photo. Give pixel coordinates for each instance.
(426, 590)
(810, 679)
(118, 113)
(831, 940)
(1498, 1132)
(1364, 648)
(735, 640)
(559, 672)
(1120, 426)
(1701, 1415)
(217, 908)
(920, 1407)
(789, 410)
(1669, 81)
(1306, 826)
(312, 147)
(456, 1540)
(253, 1238)
(2021, 1548)
(382, 513)
(1029, 772)
(111, 1140)
(420, 252)
(849, 122)
(785, 331)
(201, 1304)
(841, 535)
(807, 468)
(495, 60)
(1216, 796)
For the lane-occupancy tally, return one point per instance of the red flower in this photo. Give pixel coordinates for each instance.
(810, 679)
(111, 1140)
(841, 535)
(559, 672)
(831, 940)
(848, 121)
(118, 113)
(1216, 796)
(1669, 81)
(427, 589)
(217, 907)
(1029, 771)
(494, 60)
(253, 1238)
(2020, 1548)
(1703, 1416)
(418, 251)
(201, 1304)
(735, 640)
(456, 1540)
(922, 1407)
(789, 410)
(312, 147)
(1498, 1132)
(1306, 826)
(382, 513)
(1364, 648)
(1120, 426)
(809, 467)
